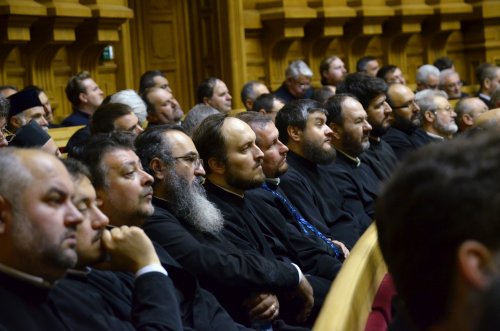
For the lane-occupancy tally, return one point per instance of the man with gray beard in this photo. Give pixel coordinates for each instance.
(355, 179)
(189, 227)
(303, 128)
(436, 114)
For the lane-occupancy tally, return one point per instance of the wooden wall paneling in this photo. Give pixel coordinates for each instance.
(15, 69)
(231, 29)
(437, 29)
(16, 17)
(398, 30)
(163, 43)
(321, 32)
(49, 35)
(414, 57)
(62, 71)
(283, 23)
(481, 35)
(370, 15)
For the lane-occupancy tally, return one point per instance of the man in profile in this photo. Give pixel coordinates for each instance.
(332, 71)
(85, 96)
(251, 91)
(37, 237)
(161, 106)
(438, 227)
(213, 92)
(297, 84)
(25, 106)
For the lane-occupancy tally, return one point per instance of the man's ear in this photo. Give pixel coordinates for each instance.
(216, 166)
(249, 103)
(206, 101)
(83, 97)
(5, 213)
(467, 119)
(263, 111)
(294, 133)
(337, 130)
(429, 116)
(157, 166)
(476, 264)
(15, 122)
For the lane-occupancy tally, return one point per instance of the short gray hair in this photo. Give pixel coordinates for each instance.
(298, 68)
(133, 100)
(14, 177)
(443, 75)
(425, 100)
(425, 71)
(196, 115)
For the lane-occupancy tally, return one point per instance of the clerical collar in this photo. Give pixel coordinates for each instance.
(356, 160)
(484, 96)
(435, 136)
(373, 138)
(228, 191)
(273, 181)
(34, 280)
(78, 273)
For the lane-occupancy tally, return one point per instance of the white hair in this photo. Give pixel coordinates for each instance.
(133, 100)
(425, 71)
(298, 68)
(445, 74)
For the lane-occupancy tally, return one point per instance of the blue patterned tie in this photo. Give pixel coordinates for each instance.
(304, 225)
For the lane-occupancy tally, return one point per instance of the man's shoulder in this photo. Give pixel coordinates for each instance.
(76, 118)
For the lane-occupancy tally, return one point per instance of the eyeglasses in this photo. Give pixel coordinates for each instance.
(448, 109)
(302, 85)
(194, 159)
(452, 85)
(409, 104)
(6, 134)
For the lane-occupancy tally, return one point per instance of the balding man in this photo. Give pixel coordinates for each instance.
(468, 110)
(37, 237)
(251, 91)
(405, 133)
(161, 106)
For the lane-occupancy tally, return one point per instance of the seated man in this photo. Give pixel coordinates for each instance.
(405, 133)
(24, 107)
(85, 96)
(251, 91)
(161, 106)
(437, 116)
(488, 76)
(107, 118)
(268, 104)
(32, 135)
(134, 101)
(213, 92)
(143, 299)
(427, 77)
(356, 181)
(391, 74)
(302, 127)
(332, 71)
(371, 93)
(190, 228)
(37, 237)
(297, 84)
(368, 65)
(156, 78)
(450, 82)
(468, 110)
(125, 191)
(438, 227)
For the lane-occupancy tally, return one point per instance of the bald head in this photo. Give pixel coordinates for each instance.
(489, 119)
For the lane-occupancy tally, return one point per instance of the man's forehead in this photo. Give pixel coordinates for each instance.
(180, 142)
(315, 115)
(84, 190)
(118, 158)
(237, 130)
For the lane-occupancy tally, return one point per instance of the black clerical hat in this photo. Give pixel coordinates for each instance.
(30, 135)
(23, 100)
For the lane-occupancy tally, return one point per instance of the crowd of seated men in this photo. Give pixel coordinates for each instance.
(157, 219)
